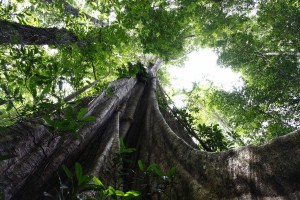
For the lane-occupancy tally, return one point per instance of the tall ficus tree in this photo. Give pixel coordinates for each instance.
(60, 107)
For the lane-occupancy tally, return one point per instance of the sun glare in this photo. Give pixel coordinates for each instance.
(201, 68)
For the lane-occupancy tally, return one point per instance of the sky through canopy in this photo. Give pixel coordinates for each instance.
(201, 67)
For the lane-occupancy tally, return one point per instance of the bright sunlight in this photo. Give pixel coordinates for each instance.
(201, 67)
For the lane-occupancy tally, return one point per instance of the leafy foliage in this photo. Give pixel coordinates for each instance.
(70, 121)
(209, 137)
(90, 187)
(265, 52)
(82, 184)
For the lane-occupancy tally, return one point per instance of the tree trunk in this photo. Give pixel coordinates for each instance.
(270, 171)
(14, 33)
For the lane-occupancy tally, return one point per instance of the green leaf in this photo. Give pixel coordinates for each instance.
(124, 149)
(16, 92)
(94, 4)
(69, 112)
(32, 87)
(85, 180)
(67, 171)
(10, 105)
(131, 193)
(89, 119)
(171, 172)
(81, 113)
(79, 173)
(48, 120)
(111, 191)
(97, 181)
(154, 168)
(140, 164)
(65, 125)
(119, 193)
(2, 102)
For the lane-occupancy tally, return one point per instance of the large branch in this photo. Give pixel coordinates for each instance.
(15, 33)
(80, 91)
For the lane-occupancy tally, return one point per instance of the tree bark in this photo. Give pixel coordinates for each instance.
(270, 171)
(14, 33)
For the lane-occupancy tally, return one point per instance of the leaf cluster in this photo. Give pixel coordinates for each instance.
(82, 186)
(69, 121)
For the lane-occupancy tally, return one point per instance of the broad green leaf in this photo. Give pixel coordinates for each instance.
(64, 125)
(154, 168)
(81, 113)
(48, 120)
(140, 164)
(132, 193)
(124, 149)
(79, 173)
(94, 4)
(69, 112)
(67, 171)
(10, 105)
(119, 193)
(111, 191)
(86, 179)
(97, 181)
(2, 102)
(89, 119)
(171, 172)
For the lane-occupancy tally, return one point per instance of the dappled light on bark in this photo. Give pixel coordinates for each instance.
(132, 113)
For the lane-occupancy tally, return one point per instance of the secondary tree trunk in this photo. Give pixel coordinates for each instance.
(270, 171)
(14, 33)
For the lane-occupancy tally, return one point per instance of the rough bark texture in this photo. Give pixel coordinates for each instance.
(14, 33)
(271, 171)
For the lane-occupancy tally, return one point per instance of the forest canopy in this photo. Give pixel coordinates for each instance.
(53, 48)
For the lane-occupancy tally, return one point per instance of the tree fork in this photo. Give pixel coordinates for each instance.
(269, 171)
